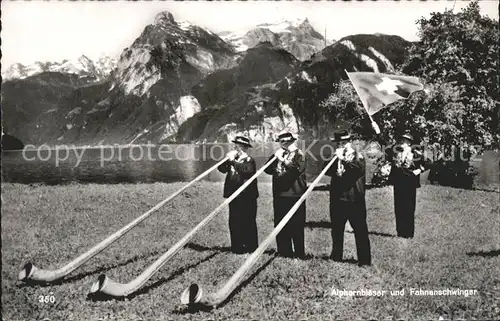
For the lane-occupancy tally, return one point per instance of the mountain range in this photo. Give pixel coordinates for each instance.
(92, 70)
(178, 82)
(296, 36)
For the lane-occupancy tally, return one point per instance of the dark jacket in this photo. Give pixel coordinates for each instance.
(238, 172)
(350, 186)
(403, 175)
(289, 180)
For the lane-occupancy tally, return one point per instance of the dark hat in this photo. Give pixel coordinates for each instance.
(286, 137)
(242, 140)
(341, 135)
(407, 136)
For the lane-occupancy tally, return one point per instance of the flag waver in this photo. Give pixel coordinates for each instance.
(379, 90)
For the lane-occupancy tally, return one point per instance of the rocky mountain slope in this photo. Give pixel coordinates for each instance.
(296, 36)
(292, 102)
(41, 108)
(226, 95)
(151, 88)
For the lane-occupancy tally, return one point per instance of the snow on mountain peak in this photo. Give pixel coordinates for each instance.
(184, 25)
(295, 35)
(280, 26)
(283, 25)
(236, 39)
(82, 66)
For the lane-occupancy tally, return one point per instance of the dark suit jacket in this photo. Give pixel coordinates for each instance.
(350, 186)
(401, 176)
(238, 172)
(289, 180)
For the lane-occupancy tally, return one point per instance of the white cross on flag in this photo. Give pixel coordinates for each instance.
(379, 90)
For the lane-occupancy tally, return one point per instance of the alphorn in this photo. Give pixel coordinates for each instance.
(105, 285)
(194, 293)
(31, 272)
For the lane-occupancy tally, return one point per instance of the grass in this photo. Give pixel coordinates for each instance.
(456, 246)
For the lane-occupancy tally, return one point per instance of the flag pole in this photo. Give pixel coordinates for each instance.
(374, 124)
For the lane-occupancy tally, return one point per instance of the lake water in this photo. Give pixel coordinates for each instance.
(166, 163)
(132, 164)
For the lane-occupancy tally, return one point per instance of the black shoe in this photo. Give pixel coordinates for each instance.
(364, 264)
(237, 250)
(287, 255)
(335, 259)
(300, 256)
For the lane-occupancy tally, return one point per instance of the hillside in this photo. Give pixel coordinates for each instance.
(41, 108)
(290, 102)
(226, 95)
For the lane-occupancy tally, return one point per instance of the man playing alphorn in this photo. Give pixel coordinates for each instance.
(347, 199)
(243, 209)
(289, 183)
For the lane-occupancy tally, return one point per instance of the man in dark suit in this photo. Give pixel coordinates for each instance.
(289, 183)
(347, 199)
(243, 209)
(406, 165)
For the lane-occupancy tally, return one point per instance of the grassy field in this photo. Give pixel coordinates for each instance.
(457, 245)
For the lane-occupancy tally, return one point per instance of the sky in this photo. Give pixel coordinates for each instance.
(53, 31)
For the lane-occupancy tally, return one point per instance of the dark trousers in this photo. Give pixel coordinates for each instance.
(290, 240)
(340, 213)
(243, 225)
(404, 207)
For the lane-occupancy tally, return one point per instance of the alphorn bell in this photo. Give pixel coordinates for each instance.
(195, 294)
(31, 272)
(105, 285)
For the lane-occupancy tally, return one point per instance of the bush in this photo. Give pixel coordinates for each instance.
(454, 173)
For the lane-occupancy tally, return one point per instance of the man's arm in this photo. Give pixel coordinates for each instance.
(357, 166)
(297, 164)
(224, 167)
(271, 169)
(245, 168)
(424, 163)
(332, 170)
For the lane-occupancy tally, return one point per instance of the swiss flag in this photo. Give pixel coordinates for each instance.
(379, 90)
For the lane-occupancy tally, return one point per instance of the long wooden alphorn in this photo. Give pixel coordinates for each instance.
(105, 285)
(31, 272)
(215, 299)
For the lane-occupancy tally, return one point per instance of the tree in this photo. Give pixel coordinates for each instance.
(303, 96)
(457, 59)
(344, 105)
